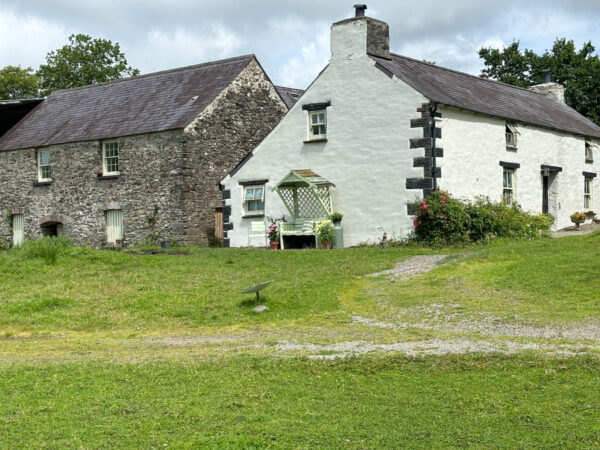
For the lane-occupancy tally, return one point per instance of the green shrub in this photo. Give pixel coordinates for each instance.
(47, 248)
(443, 220)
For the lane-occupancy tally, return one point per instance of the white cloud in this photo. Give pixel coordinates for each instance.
(299, 71)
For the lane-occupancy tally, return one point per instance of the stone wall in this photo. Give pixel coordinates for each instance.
(150, 174)
(231, 127)
(176, 171)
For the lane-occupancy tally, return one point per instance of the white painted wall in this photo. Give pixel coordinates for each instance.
(475, 144)
(367, 154)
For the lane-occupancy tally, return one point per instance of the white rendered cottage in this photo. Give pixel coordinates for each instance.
(384, 130)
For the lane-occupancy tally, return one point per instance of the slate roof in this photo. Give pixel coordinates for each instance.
(289, 95)
(11, 111)
(489, 97)
(143, 104)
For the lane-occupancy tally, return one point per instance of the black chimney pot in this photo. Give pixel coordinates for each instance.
(360, 10)
(547, 76)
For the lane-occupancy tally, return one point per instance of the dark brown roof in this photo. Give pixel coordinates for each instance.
(147, 103)
(289, 95)
(489, 97)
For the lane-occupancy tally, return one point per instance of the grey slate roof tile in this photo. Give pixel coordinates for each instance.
(289, 95)
(484, 96)
(143, 104)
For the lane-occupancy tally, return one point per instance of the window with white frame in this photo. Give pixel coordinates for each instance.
(18, 229)
(317, 124)
(589, 151)
(254, 200)
(114, 225)
(508, 186)
(511, 136)
(44, 165)
(110, 158)
(587, 193)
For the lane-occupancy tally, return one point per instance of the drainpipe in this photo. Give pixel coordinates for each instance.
(432, 111)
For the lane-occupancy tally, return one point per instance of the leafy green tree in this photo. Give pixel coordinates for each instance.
(18, 83)
(577, 70)
(81, 62)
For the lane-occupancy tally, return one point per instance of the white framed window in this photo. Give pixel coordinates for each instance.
(587, 193)
(114, 225)
(508, 186)
(589, 151)
(18, 229)
(110, 158)
(44, 165)
(511, 136)
(254, 200)
(317, 124)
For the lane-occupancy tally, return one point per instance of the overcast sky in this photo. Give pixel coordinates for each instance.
(289, 37)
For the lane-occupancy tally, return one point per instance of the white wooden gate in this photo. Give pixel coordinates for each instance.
(18, 225)
(114, 225)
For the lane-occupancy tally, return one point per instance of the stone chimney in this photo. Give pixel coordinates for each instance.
(553, 90)
(360, 35)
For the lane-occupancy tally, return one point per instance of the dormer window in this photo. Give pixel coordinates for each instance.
(589, 151)
(511, 136)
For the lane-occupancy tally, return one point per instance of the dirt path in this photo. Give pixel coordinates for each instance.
(411, 267)
(572, 231)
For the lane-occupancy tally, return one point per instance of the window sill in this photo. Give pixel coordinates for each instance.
(314, 141)
(511, 148)
(42, 183)
(252, 216)
(589, 161)
(111, 176)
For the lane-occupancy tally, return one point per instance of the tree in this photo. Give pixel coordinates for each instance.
(577, 70)
(18, 83)
(81, 62)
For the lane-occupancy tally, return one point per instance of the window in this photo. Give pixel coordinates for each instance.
(317, 125)
(589, 151)
(18, 228)
(44, 166)
(114, 225)
(587, 194)
(254, 200)
(511, 136)
(508, 184)
(110, 158)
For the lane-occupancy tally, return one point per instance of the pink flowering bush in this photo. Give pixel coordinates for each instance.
(273, 232)
(442, 220)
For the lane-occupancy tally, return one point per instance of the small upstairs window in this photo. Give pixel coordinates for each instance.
(254, 200)
(589, 151)
(110, 158)
(511, 136)
(317, 126)
(44, 166)
(587, 194)
(508, 186)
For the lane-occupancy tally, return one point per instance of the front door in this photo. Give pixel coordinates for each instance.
(545, 194)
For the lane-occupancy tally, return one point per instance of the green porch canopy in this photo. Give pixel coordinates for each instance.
(305, 194)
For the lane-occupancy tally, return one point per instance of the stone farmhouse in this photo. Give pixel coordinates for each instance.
(113, 163)
(376, 131)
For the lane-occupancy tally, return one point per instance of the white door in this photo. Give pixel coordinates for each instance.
(18, 225)
(114, 225)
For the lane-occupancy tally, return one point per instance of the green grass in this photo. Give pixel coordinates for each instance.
(109, 349)
(256, 403)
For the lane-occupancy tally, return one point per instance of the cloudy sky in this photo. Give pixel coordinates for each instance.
(289, 37)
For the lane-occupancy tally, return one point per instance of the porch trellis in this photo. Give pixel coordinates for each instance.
(305, 194)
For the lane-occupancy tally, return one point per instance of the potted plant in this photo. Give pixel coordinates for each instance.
(336, 217)
(578, 218)
(273, 234)
(325, 233)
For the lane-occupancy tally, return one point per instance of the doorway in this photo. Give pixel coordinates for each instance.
(550, 203)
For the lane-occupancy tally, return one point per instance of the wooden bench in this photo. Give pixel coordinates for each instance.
(299, 227)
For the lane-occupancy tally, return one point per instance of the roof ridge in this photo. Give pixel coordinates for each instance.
(160, 72)
(488, 80)
(290, 88)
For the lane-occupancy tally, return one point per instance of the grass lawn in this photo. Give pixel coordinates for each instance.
(108, 349)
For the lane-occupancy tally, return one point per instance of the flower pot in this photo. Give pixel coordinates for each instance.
(326, 245)
(274, 245)
(337, 223)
